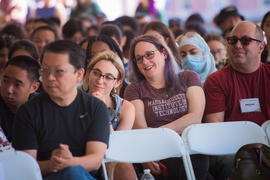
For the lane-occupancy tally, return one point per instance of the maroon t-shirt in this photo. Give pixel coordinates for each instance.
(161, 108)
(222, 94)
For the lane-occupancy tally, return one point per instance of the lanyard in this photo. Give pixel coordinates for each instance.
(257, 87)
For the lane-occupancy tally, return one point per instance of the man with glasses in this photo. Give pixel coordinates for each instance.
(64, 129)
(240, 91)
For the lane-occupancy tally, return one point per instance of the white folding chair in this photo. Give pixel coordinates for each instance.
(266, 127)
(144, 145)
(222, 138)
(18, 165)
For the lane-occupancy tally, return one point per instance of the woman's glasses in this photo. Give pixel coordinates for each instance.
(108, 79)
(245, 41)
(148, 55)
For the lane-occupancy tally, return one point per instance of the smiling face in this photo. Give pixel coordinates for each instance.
(150, 68)
(189, 50)
(15, 87)
(43, 37)
(104, 67)
(245, 56)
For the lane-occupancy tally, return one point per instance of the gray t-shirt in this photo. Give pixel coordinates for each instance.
(161, 108)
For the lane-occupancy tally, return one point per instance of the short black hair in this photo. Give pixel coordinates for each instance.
(131, 22)
(76, 53)
(6, 41)
(44, 28)
(111, 29)
(106, 39)
(26, 63)
(26, 45)
(73, 26)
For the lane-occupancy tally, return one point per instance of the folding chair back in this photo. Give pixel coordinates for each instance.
(18, 165)
(144, 145)
(266, 127)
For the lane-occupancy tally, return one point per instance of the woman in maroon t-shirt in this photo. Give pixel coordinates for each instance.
(165, 97)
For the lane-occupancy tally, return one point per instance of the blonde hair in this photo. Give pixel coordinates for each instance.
(114, 59)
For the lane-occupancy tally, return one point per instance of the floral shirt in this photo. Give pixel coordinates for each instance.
(5, 146)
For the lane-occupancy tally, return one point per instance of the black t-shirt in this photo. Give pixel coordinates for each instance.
(41, 124)
(6, 119)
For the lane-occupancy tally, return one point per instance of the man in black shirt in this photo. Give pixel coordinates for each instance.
(19, 81)
(64, 129)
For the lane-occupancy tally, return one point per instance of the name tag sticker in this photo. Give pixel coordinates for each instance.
(250, 105)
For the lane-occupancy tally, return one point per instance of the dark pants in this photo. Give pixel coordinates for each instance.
(70, 173)
(176, 170)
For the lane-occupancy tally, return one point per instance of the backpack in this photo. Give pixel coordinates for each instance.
(251, 162)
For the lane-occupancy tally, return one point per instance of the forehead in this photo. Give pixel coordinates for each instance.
(188, 47)
(15, 72)
(51, 59)
(244, 29)
(106, 67)
(143, 46)
(44, 34)
(99, 46)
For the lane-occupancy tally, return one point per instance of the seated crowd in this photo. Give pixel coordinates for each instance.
(66, 84)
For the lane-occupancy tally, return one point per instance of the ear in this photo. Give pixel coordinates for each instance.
(118, 83)
(80, 74)
(34, 87)
(261, 48)
(167, 40)
(123, 41)
(165, 52)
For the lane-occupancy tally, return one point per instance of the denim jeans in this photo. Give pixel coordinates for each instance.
(70, 173)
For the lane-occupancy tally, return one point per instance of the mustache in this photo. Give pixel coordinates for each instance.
(238, 51)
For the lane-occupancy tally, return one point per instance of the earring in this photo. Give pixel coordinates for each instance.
(115, 90)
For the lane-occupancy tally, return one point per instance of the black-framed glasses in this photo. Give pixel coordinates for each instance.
(107, 78)
(56, 73)
(245, 41)
(148, 55)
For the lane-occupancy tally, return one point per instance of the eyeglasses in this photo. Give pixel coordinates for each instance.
(56, 73)
(96, 74)
(148, 55)
(245, 41)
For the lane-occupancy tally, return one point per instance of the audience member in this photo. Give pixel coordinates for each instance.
(196, 23)
(50, 8)
(13, 11)
(130, 36)
(265, 25)
(92, 31)
(5, 42)
(42, 22)
(160, 30)
(84, 43)
(19, 82)
(115, 31)
(129, 23)
(148, 7)
(85, 6)
(165, 97)
(14, 29)
(175, 24)
(142, 19)
(104, 76)
(195, 55)
(239, 91)
(23, 48)
(101, 18)
(42, 36)
(228, 17)
(217, 46)
(78, 123)
(88, 20)
(28, 27)
(74, 30)
(97, 44)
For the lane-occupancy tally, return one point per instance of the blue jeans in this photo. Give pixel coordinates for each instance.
(70, 173)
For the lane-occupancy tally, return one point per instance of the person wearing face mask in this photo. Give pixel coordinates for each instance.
(195, 55)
